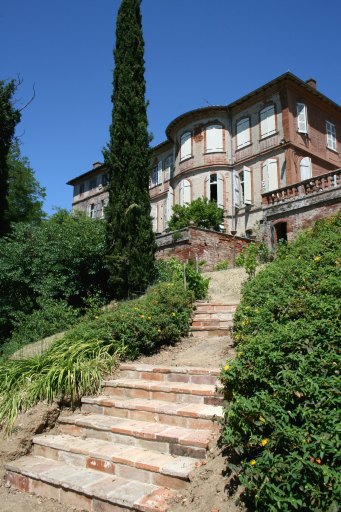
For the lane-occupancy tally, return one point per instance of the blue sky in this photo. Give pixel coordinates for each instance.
(198, 53)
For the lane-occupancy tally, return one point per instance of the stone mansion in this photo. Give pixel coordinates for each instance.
(270, 159)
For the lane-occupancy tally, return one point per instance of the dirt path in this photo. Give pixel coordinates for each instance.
(207, 492)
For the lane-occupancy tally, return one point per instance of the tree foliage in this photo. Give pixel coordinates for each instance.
(25, 195)
(282, 416)
(130, 239)
(9, 118)
(60, 259)
(201, 212)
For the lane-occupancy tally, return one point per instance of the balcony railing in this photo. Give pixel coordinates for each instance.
(313, 185)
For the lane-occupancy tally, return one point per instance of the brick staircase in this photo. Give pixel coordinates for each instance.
(130, 449)
(212, 318)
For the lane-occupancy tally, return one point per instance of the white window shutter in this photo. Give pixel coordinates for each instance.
(207, 187)
(247, 185)
(220, 190)
(154, 217)
(267, 121)
(243, 132)
(265, 176)
(331, 135)
(305, 168)
(159, 173)
(186, 192)
(170, 202)
(302, 125)
(186, 146)
(236, 190)
(168, 165)
(272, 174)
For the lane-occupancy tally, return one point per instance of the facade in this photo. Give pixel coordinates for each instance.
(271, 160)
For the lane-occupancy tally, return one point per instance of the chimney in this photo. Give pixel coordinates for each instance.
(96, 164)
(311, 82)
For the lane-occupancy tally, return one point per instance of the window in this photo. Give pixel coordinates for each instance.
(245, 186)
(186, 146)
(243, 133)
(168, 167)
(102, 206)
(215, 189)
(185, 192)
(81, 189)
(302, 121)
(169, 206)
(104, 180)
(154, 217)
(305, 168)
(214, 138)
(270, 175)
(331, 135)
(92, 211)
(93, 183)
(267, 121)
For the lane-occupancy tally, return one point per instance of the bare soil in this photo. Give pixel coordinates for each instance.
(209, 489)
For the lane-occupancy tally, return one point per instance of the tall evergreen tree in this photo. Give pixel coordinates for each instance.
(9, 118)
(130, 238)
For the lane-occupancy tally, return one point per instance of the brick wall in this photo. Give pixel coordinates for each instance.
(208, 246)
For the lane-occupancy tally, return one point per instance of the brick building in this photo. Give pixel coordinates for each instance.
(271, 159)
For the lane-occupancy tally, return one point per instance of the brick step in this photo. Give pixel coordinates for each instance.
(192, 374)
(216, 324)
(154, 436)
(197, 416)
(215, 307)
(84, 489)
(213, 316)
(122, 460)
(183, 392)
(208, 332)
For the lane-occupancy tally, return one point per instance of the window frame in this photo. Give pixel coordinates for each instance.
(168, 168)
(245, 191)
(305, 112)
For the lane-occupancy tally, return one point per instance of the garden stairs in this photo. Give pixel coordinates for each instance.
(213, 318)
(130, 449)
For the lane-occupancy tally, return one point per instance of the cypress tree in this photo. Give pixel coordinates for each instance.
(130, 238)
(9, 118)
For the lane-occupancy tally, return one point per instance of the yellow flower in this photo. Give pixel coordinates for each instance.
(226, 367)
(96, 316)
(141, 316)
(239, 354)
(317, 258)
(159, 330)
(253, 462)
(261, 419)
(264, 442)
(173, 314)
(149, 318)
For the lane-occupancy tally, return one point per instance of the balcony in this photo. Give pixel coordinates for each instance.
(327, 182)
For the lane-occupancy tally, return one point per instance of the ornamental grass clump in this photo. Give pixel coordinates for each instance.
(282, 416)
(76, 364)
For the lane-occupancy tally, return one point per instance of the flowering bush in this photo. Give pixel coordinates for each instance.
(173, 270)
(280, 424)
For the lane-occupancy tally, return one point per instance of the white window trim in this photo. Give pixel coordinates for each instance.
(242, 121)
(184, 154)
(245, 186)
(331, 136)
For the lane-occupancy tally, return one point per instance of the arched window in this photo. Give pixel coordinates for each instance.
(305, 168)
(186, 146)
(214, 138)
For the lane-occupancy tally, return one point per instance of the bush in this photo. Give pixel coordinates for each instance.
(253, 255)
(59, 259)
(76, 363)
(173, 270)
(201, 212)
(280, 424)
(222, 265)
(52, 317)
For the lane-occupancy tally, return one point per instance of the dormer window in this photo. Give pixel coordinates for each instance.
(186, 146)
(214, 139)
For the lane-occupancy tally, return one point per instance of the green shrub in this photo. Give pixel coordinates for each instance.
(280, 424)
(76, 363)
(52, 317)
(201, 212)
(253, 255)
(173, 270)
(222, 265)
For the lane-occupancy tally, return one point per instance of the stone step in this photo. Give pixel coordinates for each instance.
(154, 436)
(83, 488)
(191, 374)
(225, 317)
(215, 307)
(183, 392)
(122, 460)
(197, 416)
(202, 332)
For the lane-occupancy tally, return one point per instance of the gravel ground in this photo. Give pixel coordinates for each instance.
(226, 284)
